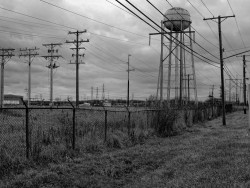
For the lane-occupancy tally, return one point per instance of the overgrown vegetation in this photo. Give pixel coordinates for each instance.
(207, 155)
(166, 119)
(51, 143)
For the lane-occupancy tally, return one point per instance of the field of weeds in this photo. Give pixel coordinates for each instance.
(87, 129)
(206, 155)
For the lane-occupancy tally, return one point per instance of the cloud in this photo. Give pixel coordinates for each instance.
(113, 36)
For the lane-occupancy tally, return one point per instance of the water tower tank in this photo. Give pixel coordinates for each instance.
(177, 18)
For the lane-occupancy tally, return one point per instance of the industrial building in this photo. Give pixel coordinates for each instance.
(10, 99)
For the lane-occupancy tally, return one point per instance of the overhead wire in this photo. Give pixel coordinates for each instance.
(97, 21)
(229, 73)
(193, 29)
(236, 24)
(87, 17)
(169, 39)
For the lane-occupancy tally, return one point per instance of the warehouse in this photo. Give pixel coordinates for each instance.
(10, 99)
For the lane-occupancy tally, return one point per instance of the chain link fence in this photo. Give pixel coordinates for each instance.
(13, 132)
(31, 132)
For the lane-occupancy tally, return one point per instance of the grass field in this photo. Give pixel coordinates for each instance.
(206, 155)
(54, 127)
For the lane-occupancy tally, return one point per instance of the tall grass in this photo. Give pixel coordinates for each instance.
(165, 122)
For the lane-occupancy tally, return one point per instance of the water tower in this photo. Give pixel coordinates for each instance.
(177, 57)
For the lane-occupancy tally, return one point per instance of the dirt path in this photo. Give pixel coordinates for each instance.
(207, 155)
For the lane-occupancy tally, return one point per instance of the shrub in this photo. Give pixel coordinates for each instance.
(115, 139)
(165, 122)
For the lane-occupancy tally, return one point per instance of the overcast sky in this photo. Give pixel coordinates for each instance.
(113, 33)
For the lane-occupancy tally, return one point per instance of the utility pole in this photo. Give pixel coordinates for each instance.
(96, 93)
(77, 43)
(221, 63)
(188, 88)
(212, 91)
(128, 81)
(51, 66)
(244, 82)
(6, 54)
(103, 93)
(236, 85)
(92, 93)
(31, 53)
(212, 95)
(160, 76)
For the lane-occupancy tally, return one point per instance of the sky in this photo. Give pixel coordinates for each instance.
(113, 35)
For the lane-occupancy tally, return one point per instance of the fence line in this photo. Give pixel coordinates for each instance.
(25, 132)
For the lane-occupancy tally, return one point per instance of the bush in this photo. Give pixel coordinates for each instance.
(165, 122)
(115, 139)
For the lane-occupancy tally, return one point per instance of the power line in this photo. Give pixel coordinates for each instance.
(206, 21)
(35, 17)
(207, 8)
(31, 35)
(214, 33)
(24, 22)
(237, 24)
(196, 32)
(61, 25)
(97, 21)
(166, 36)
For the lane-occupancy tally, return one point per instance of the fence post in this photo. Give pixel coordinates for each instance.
(27, 130)
(74, 129)
(128, 122)
(106, 125)
(73, 126)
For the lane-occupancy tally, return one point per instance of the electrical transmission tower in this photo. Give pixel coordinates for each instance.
(6, 54)
(77, 43)
(31, 53)
(52, 65)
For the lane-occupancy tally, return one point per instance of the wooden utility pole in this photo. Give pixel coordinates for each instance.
(97, 93)
(161, 66)
(244, 82)
(77, 43)
(92, 93)
(128, 81)
(103, 93)
(51, 66)
(31, 53)
(5, 54)
(188, 88)
(221, 63)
